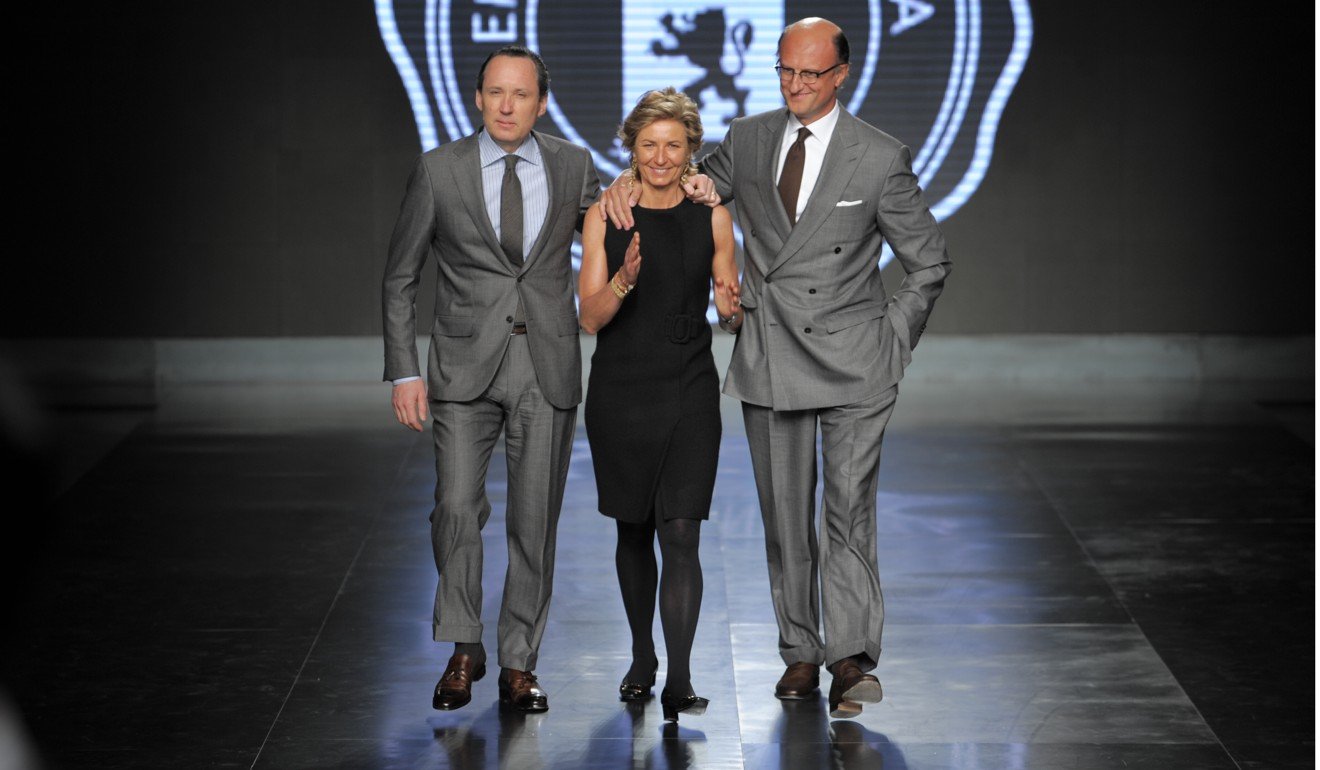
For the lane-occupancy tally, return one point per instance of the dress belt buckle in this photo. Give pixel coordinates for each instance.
(518, 328)
(678, 328)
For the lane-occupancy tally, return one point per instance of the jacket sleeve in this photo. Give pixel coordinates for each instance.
(912, 232)
(718, 164)
(590, 189)
(409, 245)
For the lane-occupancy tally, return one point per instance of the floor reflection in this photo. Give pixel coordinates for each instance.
(807, 738)
(630, 739)
(515, 736)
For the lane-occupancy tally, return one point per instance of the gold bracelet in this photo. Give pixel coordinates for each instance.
(618, 287)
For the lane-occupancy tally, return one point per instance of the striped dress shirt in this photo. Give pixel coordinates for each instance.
(535, 185)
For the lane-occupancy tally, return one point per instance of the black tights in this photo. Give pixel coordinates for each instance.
(680, 594)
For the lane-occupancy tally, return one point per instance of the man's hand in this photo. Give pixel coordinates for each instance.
(410, 403)
(701, 189)
(618, 199)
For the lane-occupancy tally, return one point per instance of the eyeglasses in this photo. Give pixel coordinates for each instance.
(808, 76)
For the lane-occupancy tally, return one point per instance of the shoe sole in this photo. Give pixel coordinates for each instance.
(696, 709)
(449, 706)
(864, 692)
(536, 709)
(799, 696)
(845, 709)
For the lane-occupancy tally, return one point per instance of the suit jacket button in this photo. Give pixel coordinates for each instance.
(768, 279)
(838, 249)
(508, 319)
(811, 291)
(520, 279)
(807, 330)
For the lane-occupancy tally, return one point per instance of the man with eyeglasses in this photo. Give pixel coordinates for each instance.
(818, 192)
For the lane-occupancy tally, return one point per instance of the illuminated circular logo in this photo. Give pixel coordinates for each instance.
(937, 75)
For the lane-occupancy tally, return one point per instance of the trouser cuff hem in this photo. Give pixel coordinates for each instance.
(835, 652)
(802, 655)
(452, 633)
(521, 662)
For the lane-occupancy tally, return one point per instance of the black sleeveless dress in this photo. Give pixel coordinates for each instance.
(653, 401)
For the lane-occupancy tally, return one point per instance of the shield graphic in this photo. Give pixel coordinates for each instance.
(937, 74)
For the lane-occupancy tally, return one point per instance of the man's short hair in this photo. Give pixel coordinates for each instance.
(521, 52)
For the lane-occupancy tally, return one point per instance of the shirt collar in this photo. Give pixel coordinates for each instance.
(822, 129)
(529, 151)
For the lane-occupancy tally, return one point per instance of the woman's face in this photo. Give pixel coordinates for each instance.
(661, 151)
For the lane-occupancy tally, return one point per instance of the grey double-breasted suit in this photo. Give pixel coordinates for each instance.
(823, 342)
(482, 379)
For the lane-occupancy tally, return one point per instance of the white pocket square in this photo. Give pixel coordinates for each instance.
(842, 204)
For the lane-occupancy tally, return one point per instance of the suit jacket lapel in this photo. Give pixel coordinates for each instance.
(771, 137)
(467, 183)
(840, 164)
(556, 182)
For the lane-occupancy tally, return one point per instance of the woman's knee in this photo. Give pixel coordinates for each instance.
(635, 536)
(680, 536)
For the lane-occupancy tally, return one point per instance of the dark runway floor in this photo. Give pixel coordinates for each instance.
(1111, 578)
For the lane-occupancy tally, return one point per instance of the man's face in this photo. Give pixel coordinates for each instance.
(810, 49)
(509, 100)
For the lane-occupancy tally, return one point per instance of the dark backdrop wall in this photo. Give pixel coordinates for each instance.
(234, 169)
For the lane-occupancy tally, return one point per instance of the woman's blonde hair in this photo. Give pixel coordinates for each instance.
(665, 104)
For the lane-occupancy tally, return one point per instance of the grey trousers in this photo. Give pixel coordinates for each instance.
(836, 573)
(538, 442)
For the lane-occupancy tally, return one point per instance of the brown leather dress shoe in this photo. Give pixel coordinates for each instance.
(851, 688)
(454, 690)
(519, 691)
(799, 682)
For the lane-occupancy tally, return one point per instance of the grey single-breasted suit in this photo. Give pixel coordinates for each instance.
(823, 342)
(477, 289)
(483, 380)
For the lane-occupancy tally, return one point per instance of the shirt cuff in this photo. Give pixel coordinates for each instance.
(402, 380)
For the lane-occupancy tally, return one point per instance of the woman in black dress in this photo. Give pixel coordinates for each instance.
(652, 411)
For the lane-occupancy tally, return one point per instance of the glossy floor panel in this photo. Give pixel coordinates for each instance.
(1117, 578)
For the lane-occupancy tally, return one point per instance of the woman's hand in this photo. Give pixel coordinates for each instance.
(728, 304)
(632, 261)
(728, 297)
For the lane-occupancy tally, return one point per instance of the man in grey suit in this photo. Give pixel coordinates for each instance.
(818, 192)
(497, 212)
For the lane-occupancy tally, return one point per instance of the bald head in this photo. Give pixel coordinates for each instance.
(818, 48)
(820, 30)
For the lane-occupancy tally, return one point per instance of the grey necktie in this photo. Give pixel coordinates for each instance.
(790, 179)
(511, 213)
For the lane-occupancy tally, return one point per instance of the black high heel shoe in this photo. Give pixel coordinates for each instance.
(692, 705)
(635, 691)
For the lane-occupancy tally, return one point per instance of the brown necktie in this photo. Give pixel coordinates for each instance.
(790, 179)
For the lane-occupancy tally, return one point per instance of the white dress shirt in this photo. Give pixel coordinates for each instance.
(816, 144)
